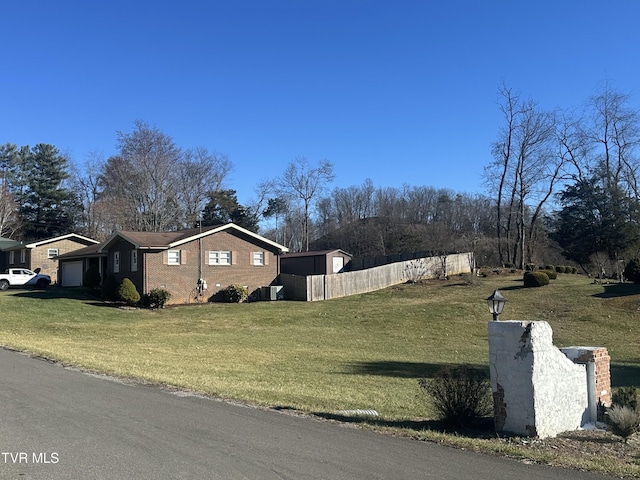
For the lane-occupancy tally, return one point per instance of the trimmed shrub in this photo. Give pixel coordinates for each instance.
(550, 267)
(127, 292)
(536, 279)
(92, 278)
(460, 395)
(561, 269)
(574, 270)
(551, 274)
(626, 397)
(632, 270)
(110, 288)
(623, 421)
(156, 298)
(235, 293)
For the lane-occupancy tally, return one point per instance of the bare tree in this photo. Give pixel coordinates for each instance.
(86, 182)
(305, 183)
(200, 173)
(143, 177)
(525, 172)
(614, 133)
(9, 212)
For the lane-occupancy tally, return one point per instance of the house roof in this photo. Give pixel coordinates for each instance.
(7, 243)
(72, 236)
(315, 253)
(90, 251)
(165, 240)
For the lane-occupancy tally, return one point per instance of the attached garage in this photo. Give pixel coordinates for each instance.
(71, 273)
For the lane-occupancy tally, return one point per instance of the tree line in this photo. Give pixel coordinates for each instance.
(562, 186)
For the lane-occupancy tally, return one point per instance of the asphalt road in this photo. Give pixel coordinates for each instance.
(59, 423)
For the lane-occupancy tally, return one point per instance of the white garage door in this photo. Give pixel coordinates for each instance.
(71, 274)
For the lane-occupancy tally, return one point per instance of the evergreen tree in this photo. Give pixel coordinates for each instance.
(596, 220)
(35, 177)
(223, 207)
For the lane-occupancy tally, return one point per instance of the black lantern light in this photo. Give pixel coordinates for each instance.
(496, 304)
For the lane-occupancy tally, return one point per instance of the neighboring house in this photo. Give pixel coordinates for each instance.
(41, 255)
(220, 255)
(321, 262)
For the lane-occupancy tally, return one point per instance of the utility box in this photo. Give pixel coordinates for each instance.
(272, 292)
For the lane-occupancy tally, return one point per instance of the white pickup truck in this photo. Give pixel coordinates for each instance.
(22, 277)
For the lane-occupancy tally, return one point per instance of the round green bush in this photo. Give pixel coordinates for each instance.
(561, 269)
(235, 293)
(549, 267)
(632, 270)
(127, 292)
(536, 279)
(551, 274)
(156, 298)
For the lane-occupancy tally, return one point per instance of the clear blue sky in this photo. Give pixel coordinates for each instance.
(402, 92)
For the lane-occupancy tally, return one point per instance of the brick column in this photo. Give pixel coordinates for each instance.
(599, 356)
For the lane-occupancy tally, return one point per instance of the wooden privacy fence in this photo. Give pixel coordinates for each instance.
(324, 287)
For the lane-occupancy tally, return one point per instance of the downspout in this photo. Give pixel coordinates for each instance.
(591, 392)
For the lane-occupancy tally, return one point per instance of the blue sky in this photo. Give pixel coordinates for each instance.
(401, 92)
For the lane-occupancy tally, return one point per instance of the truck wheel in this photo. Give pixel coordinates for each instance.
(42, 284)
(4, 284)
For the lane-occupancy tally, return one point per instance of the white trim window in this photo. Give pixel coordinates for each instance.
(173, 257)
(219, 257)
(116, 262)
(52, 252)
(258, 259)
(134, 260)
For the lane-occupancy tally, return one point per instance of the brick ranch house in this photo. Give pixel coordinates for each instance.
(41, 255)
(221, 255)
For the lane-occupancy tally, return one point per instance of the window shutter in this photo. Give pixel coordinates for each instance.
(207, 257)
(266, 257)
(234, 258)
(251, 259)
(183, 257)
(165, 257)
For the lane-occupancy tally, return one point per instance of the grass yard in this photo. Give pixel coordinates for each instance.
(360, 352)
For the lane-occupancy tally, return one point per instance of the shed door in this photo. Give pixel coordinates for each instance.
(71, 274)
(338, 264)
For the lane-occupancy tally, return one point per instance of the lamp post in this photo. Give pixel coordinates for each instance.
(496, 304)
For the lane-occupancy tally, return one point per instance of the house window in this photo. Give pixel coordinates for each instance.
(23, 256)
(116, 262)
(52, 252)
(258, 258)
(220, 257)
(12, 257)
(173, 257)
(134, 260)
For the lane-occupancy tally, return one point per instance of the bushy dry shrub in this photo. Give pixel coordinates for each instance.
(460, 395)
(623, 421)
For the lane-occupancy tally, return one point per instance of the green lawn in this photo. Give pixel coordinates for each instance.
(360, 352)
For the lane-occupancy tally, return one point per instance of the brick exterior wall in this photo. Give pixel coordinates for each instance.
(38, 257)
(180, 280)
(600, 357)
